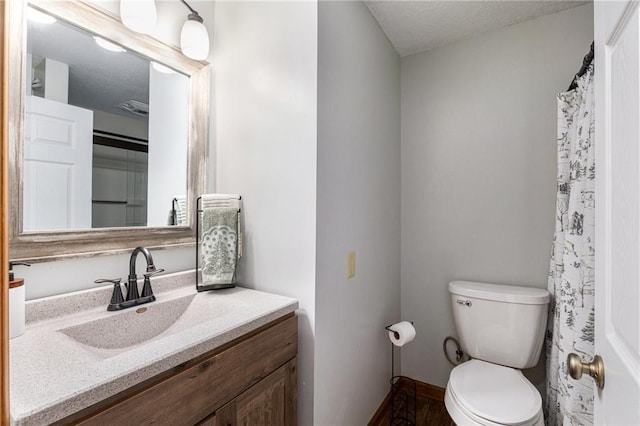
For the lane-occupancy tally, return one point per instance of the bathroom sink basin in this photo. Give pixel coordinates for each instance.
(123, 330)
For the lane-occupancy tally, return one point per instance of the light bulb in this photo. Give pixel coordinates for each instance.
(194, 38)
(139, 15)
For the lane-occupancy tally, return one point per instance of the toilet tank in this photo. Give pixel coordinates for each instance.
(501, 324)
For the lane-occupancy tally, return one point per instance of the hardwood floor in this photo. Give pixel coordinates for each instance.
(431, 412)
(428, 413)
(430, 409)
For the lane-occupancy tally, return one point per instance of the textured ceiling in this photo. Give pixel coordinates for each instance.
(98, 79)
(417, 26)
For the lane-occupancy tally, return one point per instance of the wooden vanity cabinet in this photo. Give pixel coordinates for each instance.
(250, 381)
(268, 402)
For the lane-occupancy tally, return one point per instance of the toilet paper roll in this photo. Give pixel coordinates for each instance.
(401, 333)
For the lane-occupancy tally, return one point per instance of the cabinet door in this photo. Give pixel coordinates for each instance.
(272, 401)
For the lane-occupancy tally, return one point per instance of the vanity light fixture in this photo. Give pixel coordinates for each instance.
(108, 45)
(139, 15)
(35, 15)
(194, 38)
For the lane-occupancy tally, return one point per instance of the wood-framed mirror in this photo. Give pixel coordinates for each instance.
(39, 229)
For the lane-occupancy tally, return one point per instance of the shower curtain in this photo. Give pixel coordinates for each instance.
(571, 275)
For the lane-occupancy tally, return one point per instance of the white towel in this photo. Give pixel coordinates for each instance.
(221, 200)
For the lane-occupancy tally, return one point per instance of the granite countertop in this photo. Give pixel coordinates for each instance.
(53, 375)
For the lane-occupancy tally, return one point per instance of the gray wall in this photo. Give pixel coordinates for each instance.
(265, 106)
(478, 168)
(358, 209)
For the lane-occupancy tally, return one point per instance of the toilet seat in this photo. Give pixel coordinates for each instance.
(489, 394)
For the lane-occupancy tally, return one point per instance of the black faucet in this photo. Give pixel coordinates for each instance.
(133, 297)
(132, 286)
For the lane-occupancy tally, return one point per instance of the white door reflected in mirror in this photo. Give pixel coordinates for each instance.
(57, 165)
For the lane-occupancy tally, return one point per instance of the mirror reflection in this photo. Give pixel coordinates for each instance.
(106, 133)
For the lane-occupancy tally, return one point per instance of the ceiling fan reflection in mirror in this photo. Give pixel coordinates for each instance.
(135, 107)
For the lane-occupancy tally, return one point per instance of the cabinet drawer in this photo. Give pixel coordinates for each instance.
(192, 394)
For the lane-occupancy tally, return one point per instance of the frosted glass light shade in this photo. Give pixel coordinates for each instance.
(139, 15)
(194, 40)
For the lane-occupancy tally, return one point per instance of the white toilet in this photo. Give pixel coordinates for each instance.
(502, 329)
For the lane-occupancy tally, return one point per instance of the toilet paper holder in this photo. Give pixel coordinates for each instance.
(395, 333)
(403, 392)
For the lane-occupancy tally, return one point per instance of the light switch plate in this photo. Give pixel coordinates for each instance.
(351, 264)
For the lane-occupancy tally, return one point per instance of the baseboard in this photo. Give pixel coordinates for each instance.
(383, 412)
(423, 390)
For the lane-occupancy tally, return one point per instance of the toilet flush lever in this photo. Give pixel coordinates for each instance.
(463, 302)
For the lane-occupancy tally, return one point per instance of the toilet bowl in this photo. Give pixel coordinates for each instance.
(502, 329)
(481, 393)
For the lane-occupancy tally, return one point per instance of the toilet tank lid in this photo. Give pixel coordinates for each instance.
(500, 292)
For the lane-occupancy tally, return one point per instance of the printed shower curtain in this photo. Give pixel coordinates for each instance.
(571, 276)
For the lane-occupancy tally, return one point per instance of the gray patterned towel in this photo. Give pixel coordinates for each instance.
(219, 245)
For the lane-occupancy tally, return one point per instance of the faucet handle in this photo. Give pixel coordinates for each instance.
(108, 280)
(146, 287)
(116, 296)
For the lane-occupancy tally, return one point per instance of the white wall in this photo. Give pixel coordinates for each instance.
(44, 279)
(56, 81)
(265, 76)
(478, 168)
(168, 143)
(358, 209)
(64, 276)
